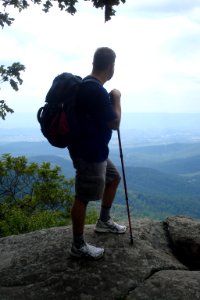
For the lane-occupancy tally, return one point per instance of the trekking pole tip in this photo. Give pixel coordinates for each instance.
(131, 240)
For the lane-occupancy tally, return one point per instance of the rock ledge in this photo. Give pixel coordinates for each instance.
(163, 263)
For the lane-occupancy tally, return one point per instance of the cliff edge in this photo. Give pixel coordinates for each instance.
(163, 263)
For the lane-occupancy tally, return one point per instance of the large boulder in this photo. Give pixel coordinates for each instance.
(184, 234)
(37, 265)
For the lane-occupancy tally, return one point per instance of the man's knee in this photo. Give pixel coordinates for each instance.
(115, 182)
(80, 201)
(118, 179)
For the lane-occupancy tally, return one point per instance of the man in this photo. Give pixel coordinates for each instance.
(96, 177)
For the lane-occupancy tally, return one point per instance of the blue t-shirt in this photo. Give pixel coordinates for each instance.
(94, 111)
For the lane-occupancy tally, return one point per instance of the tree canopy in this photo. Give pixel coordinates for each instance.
(67, 5)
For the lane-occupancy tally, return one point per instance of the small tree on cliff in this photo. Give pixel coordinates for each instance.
(32, 196)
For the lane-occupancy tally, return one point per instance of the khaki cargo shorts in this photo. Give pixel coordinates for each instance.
(91, 178)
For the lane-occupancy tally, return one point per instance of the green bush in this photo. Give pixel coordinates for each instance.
(91, 216)
(32, 196)
(15, 220)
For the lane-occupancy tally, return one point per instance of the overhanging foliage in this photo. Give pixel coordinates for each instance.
(67, 5)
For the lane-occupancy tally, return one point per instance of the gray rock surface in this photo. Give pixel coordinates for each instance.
(169, 284)
(37, 265)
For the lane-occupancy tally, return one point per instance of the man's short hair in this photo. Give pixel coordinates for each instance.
(103, 57)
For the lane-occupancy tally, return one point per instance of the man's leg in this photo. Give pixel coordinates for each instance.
(108, 198)
(79, 247)
(78, 219)
(105, 222)
(110, 192)
(83, 187)
(112, 181)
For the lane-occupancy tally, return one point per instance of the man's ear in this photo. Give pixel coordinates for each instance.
(111, 68)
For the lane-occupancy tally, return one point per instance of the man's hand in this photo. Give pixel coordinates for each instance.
(115, 97)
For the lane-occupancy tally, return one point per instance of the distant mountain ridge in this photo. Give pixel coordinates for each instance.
(156, 153)
(65, 164)
(154, 182)
(32, 149)
(185, 166)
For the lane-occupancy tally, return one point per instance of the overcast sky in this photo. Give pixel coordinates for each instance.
(157, 43)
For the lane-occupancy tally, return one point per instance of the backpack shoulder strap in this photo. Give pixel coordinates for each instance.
(91, 79)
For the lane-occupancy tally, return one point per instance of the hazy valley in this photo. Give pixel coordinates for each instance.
(161, 157)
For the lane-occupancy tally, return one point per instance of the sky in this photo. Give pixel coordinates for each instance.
(157, 44)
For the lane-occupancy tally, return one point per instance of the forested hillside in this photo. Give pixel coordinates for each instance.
(162, 180)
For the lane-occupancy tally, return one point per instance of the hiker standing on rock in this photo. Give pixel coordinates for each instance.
(98, 113)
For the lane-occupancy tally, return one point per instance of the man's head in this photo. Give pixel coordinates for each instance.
(104, 61)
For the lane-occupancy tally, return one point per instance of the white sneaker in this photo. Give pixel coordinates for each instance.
(109, 226)
(87, 251)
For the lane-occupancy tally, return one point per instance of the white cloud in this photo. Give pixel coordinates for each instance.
(158, 56)
(151, 8)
